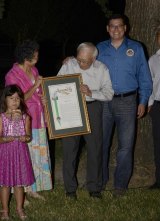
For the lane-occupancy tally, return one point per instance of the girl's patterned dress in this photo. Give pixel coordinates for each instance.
(15, 163)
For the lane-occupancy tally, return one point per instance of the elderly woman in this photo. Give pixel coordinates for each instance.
(26, 76)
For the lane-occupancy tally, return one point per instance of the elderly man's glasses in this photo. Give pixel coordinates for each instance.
(82, 61)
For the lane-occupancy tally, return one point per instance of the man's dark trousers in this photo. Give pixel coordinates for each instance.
(94, 153)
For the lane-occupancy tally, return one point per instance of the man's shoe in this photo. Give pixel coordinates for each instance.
(96, 195)
(154, 186)
(71, 195)
(119, 192)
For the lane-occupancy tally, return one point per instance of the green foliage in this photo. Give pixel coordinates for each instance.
(104, 7)
(24, 18)
(136, 205)
(36, 19)
(51, 19)
(62, 22)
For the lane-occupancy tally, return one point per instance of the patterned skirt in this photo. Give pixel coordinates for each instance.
(39, 152)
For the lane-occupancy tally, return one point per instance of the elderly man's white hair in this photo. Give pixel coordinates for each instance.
(88, 46)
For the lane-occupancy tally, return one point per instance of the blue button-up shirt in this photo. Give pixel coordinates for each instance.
(128, 68)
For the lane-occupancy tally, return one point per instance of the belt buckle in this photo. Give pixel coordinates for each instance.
(118, 95)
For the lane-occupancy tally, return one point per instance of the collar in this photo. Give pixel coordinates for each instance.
(124, 42)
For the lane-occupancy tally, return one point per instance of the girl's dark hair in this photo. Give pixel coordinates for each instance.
(25, 51)
(9, 91)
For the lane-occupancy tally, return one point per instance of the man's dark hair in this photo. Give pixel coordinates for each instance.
(119, 16)
(25, 51)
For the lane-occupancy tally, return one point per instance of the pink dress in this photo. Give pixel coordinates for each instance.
(15, 163)
(38, 147)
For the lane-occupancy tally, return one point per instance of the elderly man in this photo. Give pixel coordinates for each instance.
(97, 87)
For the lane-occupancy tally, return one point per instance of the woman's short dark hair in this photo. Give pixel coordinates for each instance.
(25, 51)
(9, 91)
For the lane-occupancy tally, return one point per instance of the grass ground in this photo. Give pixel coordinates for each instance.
(139, 204)
(136, 205)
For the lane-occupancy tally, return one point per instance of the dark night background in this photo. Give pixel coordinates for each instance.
(58, 26)
(66, 25)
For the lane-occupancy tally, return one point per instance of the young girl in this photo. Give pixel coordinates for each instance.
(15, 164)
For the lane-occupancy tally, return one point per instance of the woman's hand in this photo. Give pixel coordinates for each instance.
(43, 99)
(38, 82)
(32, 90)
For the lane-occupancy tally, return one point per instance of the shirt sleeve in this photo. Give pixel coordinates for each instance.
(11, 79)
(151, 99)
(63, 70)
(143, 77)
(105, 93)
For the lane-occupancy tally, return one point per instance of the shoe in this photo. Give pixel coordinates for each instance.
(97, 195)
(154, 186)
(4, 215)
(35, 195)
(71, 195)
(21, 214)
(119, 193)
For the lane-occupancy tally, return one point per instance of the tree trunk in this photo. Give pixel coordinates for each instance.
(144, 21)
(144, 16)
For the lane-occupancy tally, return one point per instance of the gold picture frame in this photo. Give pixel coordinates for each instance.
(66, 108)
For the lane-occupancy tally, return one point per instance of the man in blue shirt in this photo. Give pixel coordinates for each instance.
(130, 77)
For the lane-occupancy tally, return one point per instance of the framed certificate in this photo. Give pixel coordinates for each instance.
(66, 107)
